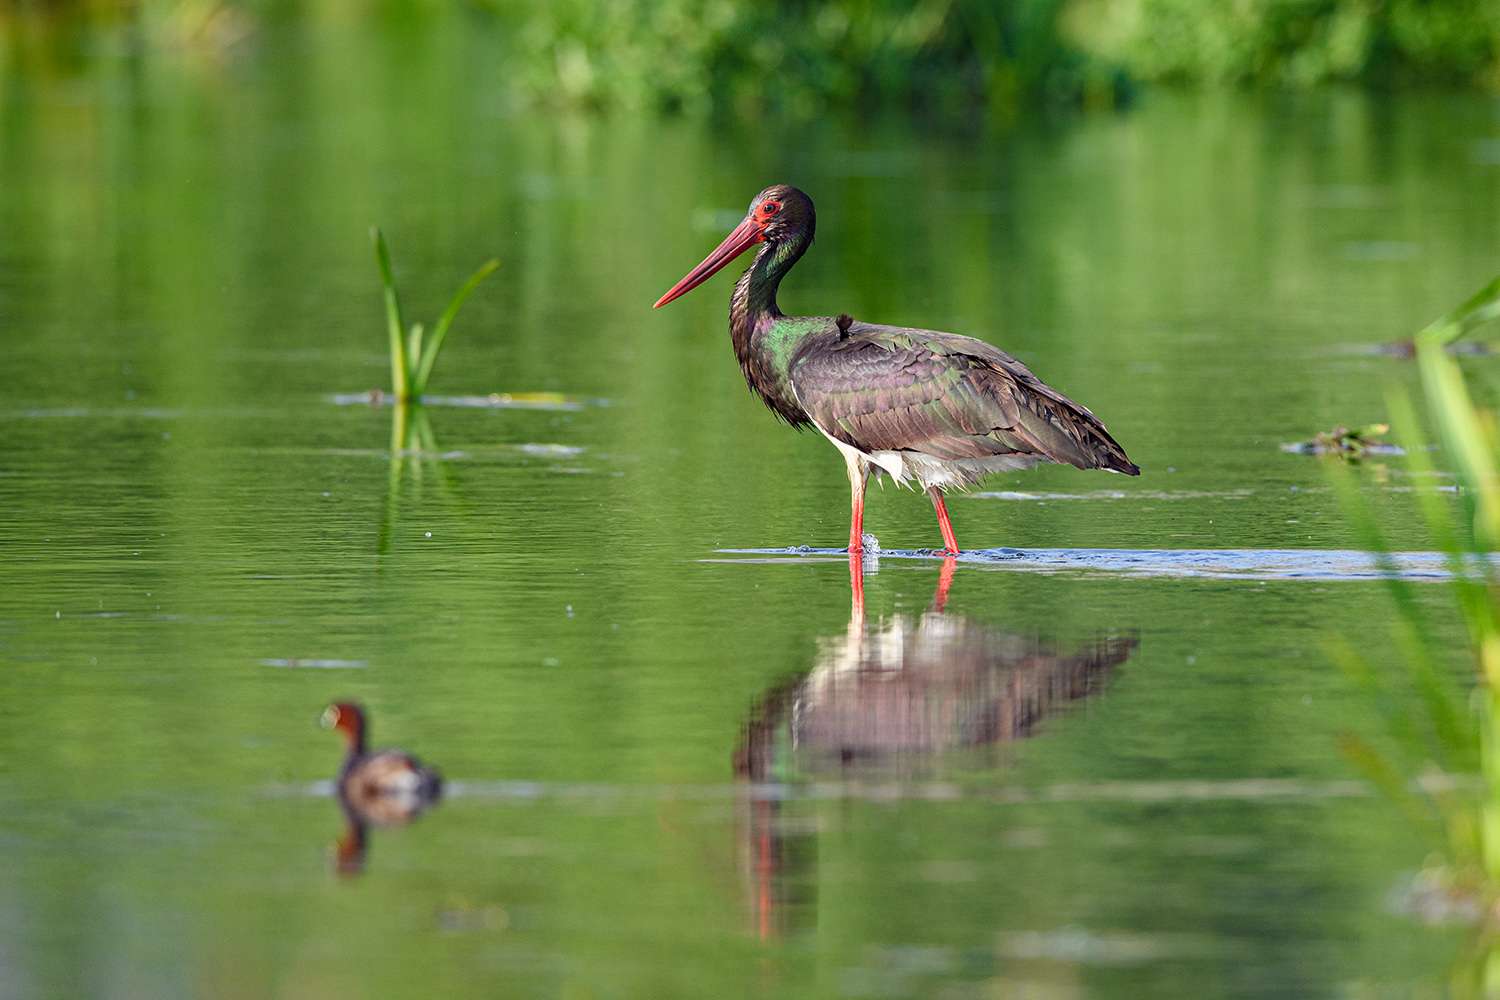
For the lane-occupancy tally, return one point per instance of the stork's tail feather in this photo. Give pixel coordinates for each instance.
(1105, 450)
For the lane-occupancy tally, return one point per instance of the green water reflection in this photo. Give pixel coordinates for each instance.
(199, 549)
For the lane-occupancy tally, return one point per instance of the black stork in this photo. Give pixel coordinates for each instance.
(938, 408)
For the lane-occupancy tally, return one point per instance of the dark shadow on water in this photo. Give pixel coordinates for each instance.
(886, 699)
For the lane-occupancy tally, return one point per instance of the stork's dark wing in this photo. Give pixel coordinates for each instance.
(883, 388)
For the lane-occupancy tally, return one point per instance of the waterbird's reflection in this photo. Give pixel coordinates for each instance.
(380, 788)
(885, 698)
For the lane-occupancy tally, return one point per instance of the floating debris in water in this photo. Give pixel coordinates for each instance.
(512, 400)
(493, 401)
(1349, 443)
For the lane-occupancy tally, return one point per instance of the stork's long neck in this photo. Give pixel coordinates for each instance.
(753, 327)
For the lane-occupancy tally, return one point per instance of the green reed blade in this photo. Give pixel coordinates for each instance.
(1445, 732)
(1419, 464)
(414, 345)
(1461, 727)
(400, 384)
(440, 332)
(1385, 777)
(1466, 437)
(1439, 520)
(1473, 571)
(1475, 311)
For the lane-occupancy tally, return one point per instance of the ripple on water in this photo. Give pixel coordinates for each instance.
(1115, 495)
(1236, 564)
(313, 663)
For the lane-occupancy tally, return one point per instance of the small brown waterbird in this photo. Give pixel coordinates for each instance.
(375, 787)
(936, 408)
(386, 787)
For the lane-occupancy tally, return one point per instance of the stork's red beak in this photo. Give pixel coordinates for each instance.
(744, 236)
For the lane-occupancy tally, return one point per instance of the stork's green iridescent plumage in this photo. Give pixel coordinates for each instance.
(939, 408)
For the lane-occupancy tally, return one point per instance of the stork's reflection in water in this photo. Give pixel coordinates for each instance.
(886, 699)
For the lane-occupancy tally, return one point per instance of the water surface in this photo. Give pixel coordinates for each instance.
(1126, 783)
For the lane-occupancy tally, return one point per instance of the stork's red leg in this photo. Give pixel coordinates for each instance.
(857, 521)
(859, 474)
(950, 543)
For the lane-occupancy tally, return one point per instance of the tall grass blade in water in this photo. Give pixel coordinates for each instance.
(429, 355)
(413, 355)
(393, 322)
(1428, 719)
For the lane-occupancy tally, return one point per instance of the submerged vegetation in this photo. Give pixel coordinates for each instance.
(1434, 722)
(413, 354)
(1352, 443)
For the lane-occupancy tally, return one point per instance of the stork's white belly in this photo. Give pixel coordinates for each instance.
(929, 470)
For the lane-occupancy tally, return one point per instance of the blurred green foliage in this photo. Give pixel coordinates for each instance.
(804, 56)
(1435, 720)
(796, 54)
(1293, 42)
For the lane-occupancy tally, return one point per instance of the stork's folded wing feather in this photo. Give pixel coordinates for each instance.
(881, 388)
